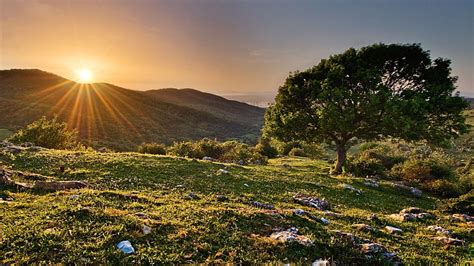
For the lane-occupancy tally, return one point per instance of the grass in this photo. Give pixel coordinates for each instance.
(5, 133)
(39, 226)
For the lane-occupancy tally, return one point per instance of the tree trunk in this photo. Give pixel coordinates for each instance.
(341, 158)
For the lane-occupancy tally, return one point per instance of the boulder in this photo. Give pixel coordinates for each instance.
(449, 240)
(291, 235)
(439, 230)
(262, 205)
(459, 217)
(320, 204)
(351, 188)
(363, 227)
(393, 230)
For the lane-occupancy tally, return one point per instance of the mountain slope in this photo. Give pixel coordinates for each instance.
(116, 117)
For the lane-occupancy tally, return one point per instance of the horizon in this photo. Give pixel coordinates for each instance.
(224, 48)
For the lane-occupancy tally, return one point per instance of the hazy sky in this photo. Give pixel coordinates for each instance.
(222, 46)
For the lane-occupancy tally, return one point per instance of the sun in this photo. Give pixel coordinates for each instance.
(84, 75)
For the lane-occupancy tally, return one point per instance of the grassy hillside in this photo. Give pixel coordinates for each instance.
(85, 225)
(120, 118)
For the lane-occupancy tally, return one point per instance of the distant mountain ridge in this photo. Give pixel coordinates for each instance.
(108, 115)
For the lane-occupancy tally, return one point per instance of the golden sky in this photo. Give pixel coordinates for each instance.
(220, 46)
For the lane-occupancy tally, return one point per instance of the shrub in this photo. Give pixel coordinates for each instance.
(297, 152)
(266, 149)
(462, 204)
(185, 149)
(442, 187)
(374, 159)
(152, 148)
(48, 134)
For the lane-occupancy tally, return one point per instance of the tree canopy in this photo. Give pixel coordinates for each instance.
(374, 92)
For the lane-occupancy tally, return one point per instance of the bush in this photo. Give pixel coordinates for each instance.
(297, 152)
(442, 187)
(462, 204)
(48, 134)
(229, 151)
(152, 148)
(374, 159)
(266, 149)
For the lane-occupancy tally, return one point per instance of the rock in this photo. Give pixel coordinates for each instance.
(363, 227)
(59, 185)
(299, 212)
(126, 247)
(414, 191)
(449, 240)
(247, 185)
(393, 230)
(324, 220)
(291, 235)
(193, 196)
(332, 214)
(320, 204)
(222, 198)
(146, 229)
(262, 205)
(371, 183)
(222, 172)
(207, 158)
(351, 188)
(411, 214)
(241, 162)
(320, 262)
(179, 186)
(73, 197)
(439, 230)
(373, 217)
(371, 250)
(459, 217)
(141, 215)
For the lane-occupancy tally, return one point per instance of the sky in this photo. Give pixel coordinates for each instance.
(224, 47)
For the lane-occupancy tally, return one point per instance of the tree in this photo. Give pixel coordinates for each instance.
(367, 94)
(48, 134)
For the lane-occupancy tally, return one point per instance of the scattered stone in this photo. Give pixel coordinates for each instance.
(324, 220)
(411, 214)
(193, 196)
(9, 199)
(222, 172)
(299, 212)
(351, 188)
(247, 185)
(347, 237)
(373, 217)
(146, 229)
(393, 230)
(333, 214)
(371, 250)
(291, 235)
(460, 217)
(414, 191)
(241, 162)
(449, 240)
(320, 262)
(320, 204)
(371, 183)
(222, 198)
(179, 186)
(262, 205)
(126, 247)
(73, 197)
(363, 227)
(439, 230)
(207, 158)
(141, 215)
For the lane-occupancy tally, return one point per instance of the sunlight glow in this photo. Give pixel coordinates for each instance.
(84, 75)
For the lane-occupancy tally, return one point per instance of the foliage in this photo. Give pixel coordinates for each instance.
(47, 133)
(461, 204)
(374, 158)
(229, 151)
(152, 148)
(377, 91)
(265, 148)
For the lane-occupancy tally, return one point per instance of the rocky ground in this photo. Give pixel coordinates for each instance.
(144, 208)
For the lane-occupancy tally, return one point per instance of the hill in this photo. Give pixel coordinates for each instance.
(197, 213)
(107, 115)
